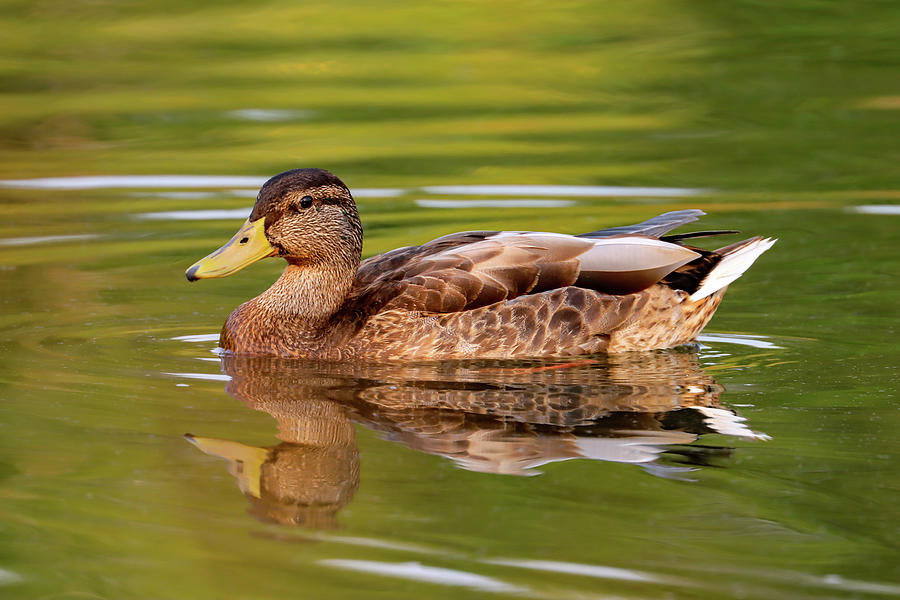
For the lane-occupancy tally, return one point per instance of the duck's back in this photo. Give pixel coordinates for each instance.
(465, 271)
(507, 294)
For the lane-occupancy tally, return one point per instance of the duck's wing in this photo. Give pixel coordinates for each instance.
(376, 267)
(463, 275)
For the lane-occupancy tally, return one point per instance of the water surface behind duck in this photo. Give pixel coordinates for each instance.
(760, 464)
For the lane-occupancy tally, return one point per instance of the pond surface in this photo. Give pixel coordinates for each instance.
(136, 462)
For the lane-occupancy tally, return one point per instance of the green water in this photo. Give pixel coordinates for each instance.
(761, 464)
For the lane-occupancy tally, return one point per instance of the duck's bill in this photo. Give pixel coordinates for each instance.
(247, 246)
(246, 460)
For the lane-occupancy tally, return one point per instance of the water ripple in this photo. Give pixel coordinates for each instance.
(195, 215)
(597, 191)
(597, 571)
(517, 203)
(203, 376)
(95, 182)
(200, 337)
(46, 239)
(755, 341)
(877, 209)
(418, 572)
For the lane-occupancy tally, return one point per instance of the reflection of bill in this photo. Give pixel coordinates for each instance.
(492, 417)
(305, 479)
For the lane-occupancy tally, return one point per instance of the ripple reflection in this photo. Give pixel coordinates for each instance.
(488, 416)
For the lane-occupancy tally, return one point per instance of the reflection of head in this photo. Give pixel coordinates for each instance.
(306, 485)
(307, 478)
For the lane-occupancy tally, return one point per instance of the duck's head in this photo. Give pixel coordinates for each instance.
(306, 216)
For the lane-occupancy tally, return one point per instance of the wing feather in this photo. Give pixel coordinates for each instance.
(655, 227)
(468, 270)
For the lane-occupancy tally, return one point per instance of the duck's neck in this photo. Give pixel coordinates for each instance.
(308, 295)
(294, 317)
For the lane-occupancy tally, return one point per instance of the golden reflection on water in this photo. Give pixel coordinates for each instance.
(488, 416)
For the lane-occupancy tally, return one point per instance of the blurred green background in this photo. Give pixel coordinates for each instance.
(798, 95)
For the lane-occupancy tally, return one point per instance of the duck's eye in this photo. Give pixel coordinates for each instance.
(306, 201)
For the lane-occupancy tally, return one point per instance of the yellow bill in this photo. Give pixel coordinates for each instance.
(245, 462)
(247, 246)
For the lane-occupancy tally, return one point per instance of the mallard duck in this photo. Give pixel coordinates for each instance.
(485, 294)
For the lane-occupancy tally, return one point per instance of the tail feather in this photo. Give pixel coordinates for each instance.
(696, 234)
(736, 259)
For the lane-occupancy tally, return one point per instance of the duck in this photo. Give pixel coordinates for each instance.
(467, 295)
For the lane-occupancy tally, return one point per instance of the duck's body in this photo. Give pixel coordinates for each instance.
(563, 321)
(467, 295)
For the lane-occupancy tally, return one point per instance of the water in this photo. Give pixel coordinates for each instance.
(761, 463)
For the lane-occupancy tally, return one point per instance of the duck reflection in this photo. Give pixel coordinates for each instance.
(306, 478)
(495, 417)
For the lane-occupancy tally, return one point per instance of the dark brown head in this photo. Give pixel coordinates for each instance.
(306, 216)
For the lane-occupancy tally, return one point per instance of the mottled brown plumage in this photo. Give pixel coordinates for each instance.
(474, 294)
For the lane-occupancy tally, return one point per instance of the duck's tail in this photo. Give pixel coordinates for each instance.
(736, 259)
